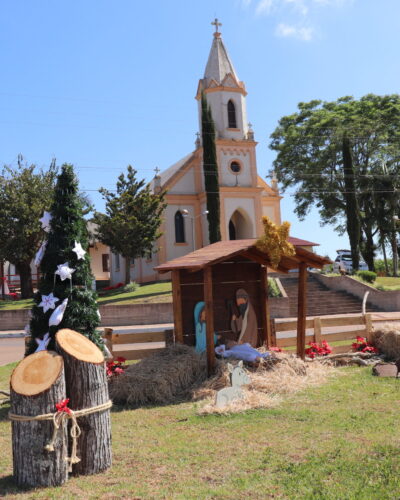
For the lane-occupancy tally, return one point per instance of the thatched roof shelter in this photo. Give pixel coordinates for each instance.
(214, 272)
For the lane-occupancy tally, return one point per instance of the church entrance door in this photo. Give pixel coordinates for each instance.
(240, 226)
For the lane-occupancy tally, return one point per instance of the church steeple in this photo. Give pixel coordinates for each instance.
(219, 64)
(226, 94)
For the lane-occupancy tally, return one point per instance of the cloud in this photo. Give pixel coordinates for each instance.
(264, 6)
(301, 33)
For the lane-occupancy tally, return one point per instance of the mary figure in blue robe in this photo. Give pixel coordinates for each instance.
(200, 326)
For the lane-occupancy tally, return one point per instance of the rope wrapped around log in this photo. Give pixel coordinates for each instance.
(58, 418)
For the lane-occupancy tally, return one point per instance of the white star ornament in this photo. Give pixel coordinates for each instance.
(64, 271)
(48, 302)
(80, 252)
(43, 343)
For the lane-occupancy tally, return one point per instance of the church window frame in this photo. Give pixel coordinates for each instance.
(179, 226)
(235, 166)
(231, 112)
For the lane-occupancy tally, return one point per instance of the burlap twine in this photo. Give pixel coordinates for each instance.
(58, 418)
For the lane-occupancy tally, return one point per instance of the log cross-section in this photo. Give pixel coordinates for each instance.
(208, 299)
(302, 310)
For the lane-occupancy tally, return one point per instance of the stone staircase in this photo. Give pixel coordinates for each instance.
(320, 299)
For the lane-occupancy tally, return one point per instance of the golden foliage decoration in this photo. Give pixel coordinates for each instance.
(274, 242)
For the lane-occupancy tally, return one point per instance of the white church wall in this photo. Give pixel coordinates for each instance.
(227, 178)
(174, 249)
(246, 207)
(269, 211)
(185, 185)
(218, 102)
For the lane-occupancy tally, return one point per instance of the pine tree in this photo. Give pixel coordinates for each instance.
(210, 169)
(67, 228)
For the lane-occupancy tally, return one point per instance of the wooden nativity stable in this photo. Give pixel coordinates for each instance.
(213, 274)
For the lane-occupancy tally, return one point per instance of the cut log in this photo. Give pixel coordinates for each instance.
(37, 384)
(87, 387)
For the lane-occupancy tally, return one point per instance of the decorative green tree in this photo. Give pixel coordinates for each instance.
(25, 191)
(65, 254)
(133, 218)
(210, 169)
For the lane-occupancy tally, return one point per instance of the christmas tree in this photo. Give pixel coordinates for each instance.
(65, 298)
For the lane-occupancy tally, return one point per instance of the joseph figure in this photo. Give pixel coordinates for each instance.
(245, 325)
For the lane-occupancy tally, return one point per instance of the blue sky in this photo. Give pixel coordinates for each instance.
(104, 84)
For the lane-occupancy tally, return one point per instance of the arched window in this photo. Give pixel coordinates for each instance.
(231, 115)
(179, 227)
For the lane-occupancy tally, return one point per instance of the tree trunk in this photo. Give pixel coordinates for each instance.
(37, 384)
(127, 270)
(87, 387)
(384, 253)
(25, 275)
(352, 209)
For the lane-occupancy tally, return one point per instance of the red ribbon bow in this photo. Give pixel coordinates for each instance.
(63, 406)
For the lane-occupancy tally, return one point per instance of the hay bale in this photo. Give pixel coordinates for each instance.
(179, 374)
(162, 378)
(387, 339)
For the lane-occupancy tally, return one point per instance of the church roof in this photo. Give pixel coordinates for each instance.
(219, 64)
(168, 173)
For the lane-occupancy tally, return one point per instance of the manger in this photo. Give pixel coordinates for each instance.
(220, 275)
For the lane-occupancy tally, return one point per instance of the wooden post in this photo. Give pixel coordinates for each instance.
(87, 387)
(37, 385)
(208, 299)
(273, 332)
(302, 310)
(317, 330)
(108, 338)
(177, 305)
(368, 326)
(265, 316)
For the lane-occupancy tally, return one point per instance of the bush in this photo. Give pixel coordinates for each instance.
(131, 287)
(273, 289)
(367, 276)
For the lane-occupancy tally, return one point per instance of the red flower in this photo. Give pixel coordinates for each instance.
(275, 349)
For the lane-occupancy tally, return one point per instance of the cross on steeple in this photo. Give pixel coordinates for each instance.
(216, 24)
(156, 170)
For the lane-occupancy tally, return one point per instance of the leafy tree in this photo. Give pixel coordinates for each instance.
(332, 153)
(132, 220)
(67, 227)
(210, 169)
(25, 192)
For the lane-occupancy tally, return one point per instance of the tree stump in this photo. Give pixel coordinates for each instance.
(87, 387)
(37, 384)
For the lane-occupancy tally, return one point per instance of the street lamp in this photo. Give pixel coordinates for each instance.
(185, 213)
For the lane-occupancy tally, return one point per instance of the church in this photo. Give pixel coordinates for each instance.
(244, 196)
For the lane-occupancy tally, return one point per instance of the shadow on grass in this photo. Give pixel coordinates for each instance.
(8, 486)
(136, 297)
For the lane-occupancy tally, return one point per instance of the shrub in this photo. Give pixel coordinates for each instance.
(131, 287)
(273, 289)
(367, 276)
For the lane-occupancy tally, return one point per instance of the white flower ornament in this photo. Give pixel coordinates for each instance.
(48, 302)
(64, 271)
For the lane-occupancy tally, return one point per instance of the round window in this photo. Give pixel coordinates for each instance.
(235, 167)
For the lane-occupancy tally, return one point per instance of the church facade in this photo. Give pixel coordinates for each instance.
(244, 196)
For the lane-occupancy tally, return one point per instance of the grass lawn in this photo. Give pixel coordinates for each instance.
(388, 283)
(337, 441)
(154, 292)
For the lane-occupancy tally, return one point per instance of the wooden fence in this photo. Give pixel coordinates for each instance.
(323, 328)
(137, 343)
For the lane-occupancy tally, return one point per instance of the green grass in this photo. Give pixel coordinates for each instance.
(337, 441)
(388, 283)
(154, 292)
